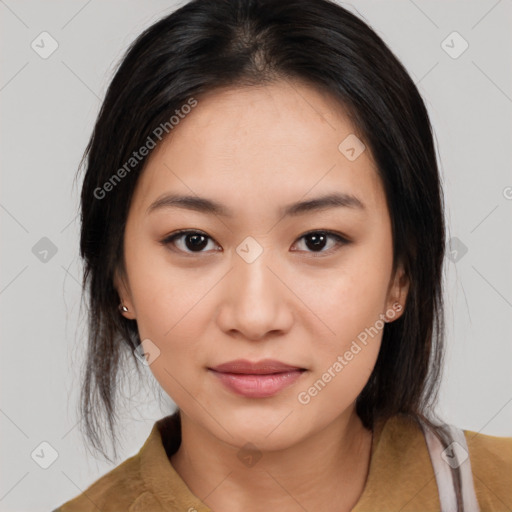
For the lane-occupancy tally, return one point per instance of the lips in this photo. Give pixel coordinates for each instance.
(264, 367)
(257, 379)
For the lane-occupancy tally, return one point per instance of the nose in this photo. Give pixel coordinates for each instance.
(255, 303)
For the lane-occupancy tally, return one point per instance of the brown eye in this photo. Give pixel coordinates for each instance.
(188, 241)
(316, 241)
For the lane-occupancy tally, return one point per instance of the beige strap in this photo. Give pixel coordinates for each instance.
(455, 455)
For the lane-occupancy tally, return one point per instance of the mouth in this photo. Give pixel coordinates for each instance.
(257, 379)
(264, 367)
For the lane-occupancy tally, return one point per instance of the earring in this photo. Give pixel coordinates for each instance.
(123, 308)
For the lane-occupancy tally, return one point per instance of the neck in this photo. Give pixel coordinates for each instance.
(328, 467)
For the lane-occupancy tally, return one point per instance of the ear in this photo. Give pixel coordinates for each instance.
(125, 297)
(397, 295)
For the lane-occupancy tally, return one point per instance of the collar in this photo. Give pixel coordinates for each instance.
(400, 475)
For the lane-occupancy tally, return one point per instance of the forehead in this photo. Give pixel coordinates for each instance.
(248, 147)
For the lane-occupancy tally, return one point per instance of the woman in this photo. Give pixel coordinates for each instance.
(262, 226)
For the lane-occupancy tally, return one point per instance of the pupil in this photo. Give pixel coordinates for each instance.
(318, 241)
(197, 243)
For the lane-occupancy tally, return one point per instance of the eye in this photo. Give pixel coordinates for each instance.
(317, 240)
(188, 241)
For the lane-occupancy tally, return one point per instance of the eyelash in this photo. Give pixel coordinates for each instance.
(340, 241)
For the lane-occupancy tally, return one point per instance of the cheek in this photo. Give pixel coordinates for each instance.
(162, 293)
(170, 312)
(168, 306)
(347, 299)
(344, 354)
(336, 386)
(350, 301)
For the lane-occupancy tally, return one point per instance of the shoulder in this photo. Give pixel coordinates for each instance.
(126, 486)
(401, 464)
(400, 475)
(491, 465)
(118, 489)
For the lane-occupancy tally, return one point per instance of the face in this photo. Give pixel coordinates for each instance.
(271, 273)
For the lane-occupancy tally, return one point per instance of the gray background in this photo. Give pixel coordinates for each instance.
(48, 107)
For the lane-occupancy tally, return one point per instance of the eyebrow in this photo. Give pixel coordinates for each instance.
(209, 206)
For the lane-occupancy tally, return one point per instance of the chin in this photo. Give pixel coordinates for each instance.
(267, 427)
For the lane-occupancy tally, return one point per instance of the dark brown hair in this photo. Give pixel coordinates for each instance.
(209, 44)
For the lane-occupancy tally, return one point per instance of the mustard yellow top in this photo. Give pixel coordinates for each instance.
(400, 477)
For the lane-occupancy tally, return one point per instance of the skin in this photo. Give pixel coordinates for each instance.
(257, 149)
